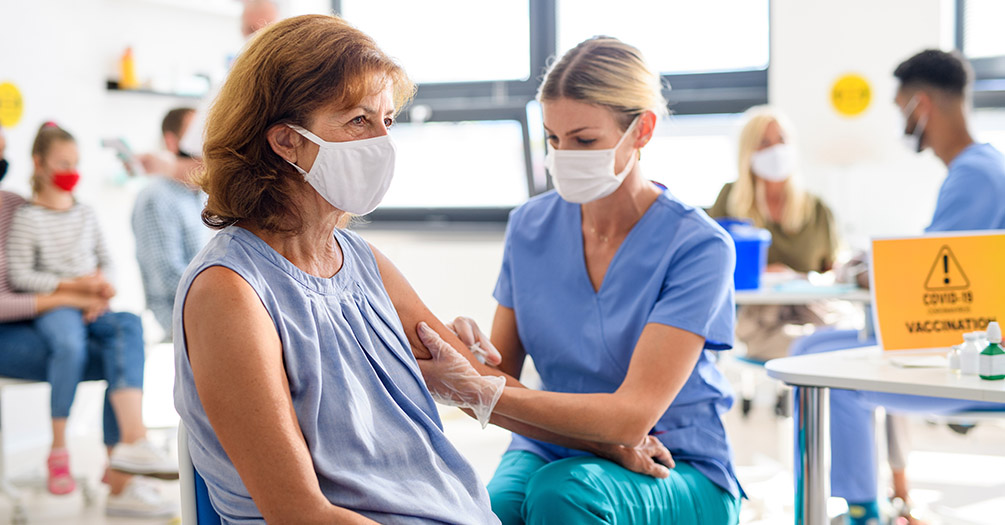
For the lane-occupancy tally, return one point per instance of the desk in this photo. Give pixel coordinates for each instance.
(867, 369)
(784, 294)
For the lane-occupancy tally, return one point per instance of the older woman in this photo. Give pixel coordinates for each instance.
(295, 369)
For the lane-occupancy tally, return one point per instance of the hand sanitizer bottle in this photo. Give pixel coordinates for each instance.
(992, 358)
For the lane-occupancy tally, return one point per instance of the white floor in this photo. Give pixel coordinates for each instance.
(957, 480)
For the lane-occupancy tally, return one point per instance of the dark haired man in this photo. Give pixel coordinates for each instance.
(933, 98)
(167, 219)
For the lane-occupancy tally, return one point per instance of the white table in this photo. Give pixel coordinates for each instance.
(781, 294)
(867, 368)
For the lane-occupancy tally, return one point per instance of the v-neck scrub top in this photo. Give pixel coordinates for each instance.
(373, 430)
(674, 268)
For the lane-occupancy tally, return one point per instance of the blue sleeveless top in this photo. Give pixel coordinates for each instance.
(373, 430)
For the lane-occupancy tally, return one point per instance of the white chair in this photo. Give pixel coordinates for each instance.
(11, 488)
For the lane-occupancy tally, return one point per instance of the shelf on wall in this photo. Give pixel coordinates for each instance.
(114, 87)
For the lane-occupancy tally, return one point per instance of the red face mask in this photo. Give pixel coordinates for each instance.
(66, 180)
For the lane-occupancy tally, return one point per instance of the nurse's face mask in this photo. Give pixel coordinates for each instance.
(352, 176)
(582, 176)
(912, 139)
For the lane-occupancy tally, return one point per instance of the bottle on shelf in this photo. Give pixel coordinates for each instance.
(127, 70)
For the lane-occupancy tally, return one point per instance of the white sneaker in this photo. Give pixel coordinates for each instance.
(143, 458)
(141, 498)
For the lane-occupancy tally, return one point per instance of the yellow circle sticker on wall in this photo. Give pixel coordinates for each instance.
(851, 95)
(11, 105)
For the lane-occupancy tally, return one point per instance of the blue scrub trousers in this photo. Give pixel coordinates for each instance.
(853, 433)
(589, 490)
(60, 348)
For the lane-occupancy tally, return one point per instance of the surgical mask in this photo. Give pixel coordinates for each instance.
(912, 140)
(354, 175)
(65, 180)
(582, 176)
(775, 163)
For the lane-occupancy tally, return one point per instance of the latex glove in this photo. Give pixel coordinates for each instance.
(452, 380)
(466, 329)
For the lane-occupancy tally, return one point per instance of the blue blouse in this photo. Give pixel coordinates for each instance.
(674, 268)
(372, 429)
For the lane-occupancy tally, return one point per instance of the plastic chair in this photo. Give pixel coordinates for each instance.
(195, 505)
(11, 488)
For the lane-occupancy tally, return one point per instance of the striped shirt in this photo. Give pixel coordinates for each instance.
(46, 246)
(13, 306)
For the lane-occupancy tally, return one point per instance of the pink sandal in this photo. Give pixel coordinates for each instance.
(60, 480)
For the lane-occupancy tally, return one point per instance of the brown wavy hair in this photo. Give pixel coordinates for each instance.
(287, 72)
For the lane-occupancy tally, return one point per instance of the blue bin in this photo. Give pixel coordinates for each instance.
(751, 251)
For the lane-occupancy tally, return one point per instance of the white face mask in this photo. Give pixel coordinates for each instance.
(912, 140)
(582, 176)
(354, 175)
(775, 163)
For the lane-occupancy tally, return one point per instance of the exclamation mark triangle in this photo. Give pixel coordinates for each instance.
(946, 273)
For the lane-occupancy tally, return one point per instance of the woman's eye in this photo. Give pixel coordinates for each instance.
(586, 142)
(360, 120)
(388, 122)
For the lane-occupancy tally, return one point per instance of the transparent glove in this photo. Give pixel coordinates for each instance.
(452, 380)
(466, 329)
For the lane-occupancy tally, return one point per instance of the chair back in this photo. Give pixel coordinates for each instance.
(195, 505)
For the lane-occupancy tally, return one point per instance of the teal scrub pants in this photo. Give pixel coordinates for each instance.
(586, 490)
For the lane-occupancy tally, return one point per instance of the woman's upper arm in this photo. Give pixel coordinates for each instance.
(411, 310)
(237, 362)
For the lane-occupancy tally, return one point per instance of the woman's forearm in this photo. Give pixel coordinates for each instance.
(600, 418)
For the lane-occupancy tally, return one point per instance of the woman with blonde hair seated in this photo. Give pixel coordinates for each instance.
(767, 192)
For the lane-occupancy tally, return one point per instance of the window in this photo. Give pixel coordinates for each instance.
(471, 146)
(978, 37)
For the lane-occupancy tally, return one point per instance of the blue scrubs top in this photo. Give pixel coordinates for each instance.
(675, 268)
(973, 195)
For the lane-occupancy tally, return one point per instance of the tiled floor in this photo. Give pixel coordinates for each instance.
(958, 480)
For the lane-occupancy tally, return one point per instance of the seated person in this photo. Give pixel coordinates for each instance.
(44, 336)
(167, 220)
(932, 97)
(803, 236)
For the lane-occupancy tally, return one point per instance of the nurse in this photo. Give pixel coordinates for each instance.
(620, 293)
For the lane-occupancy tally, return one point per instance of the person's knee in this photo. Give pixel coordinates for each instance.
(507, 503)
(565, 489)
(63, 330)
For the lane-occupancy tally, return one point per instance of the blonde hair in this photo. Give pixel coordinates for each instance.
(606, 72)
(746, 199)
(290, 70)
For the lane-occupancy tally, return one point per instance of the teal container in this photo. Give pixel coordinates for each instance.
(751, 251)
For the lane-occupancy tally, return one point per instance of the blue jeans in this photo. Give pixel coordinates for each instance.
(589, 490)
(60, 348)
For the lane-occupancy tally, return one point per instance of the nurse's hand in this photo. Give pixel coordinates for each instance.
(649, 457)
(468, 332)
(452, 380)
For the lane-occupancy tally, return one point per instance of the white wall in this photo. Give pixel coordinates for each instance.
(857, 165)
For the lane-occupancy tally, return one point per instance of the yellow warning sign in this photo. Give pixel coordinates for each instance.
(11, 105)
(928, 291)
(851, 95)
(946, 273)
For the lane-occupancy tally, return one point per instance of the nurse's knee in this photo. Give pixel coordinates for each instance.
(565, 489)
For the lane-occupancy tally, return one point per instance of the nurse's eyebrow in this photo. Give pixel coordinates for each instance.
(572, 132)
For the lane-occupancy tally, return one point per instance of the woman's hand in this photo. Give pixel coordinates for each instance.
(452, 380)
(649, 457)
(466, 329)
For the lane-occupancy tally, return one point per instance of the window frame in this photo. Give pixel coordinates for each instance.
(988, 88)
(691, 94)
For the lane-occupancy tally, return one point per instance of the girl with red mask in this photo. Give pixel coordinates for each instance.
(54, 246)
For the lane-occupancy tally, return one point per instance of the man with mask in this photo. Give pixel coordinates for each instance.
(167, 219)
(933, 99)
